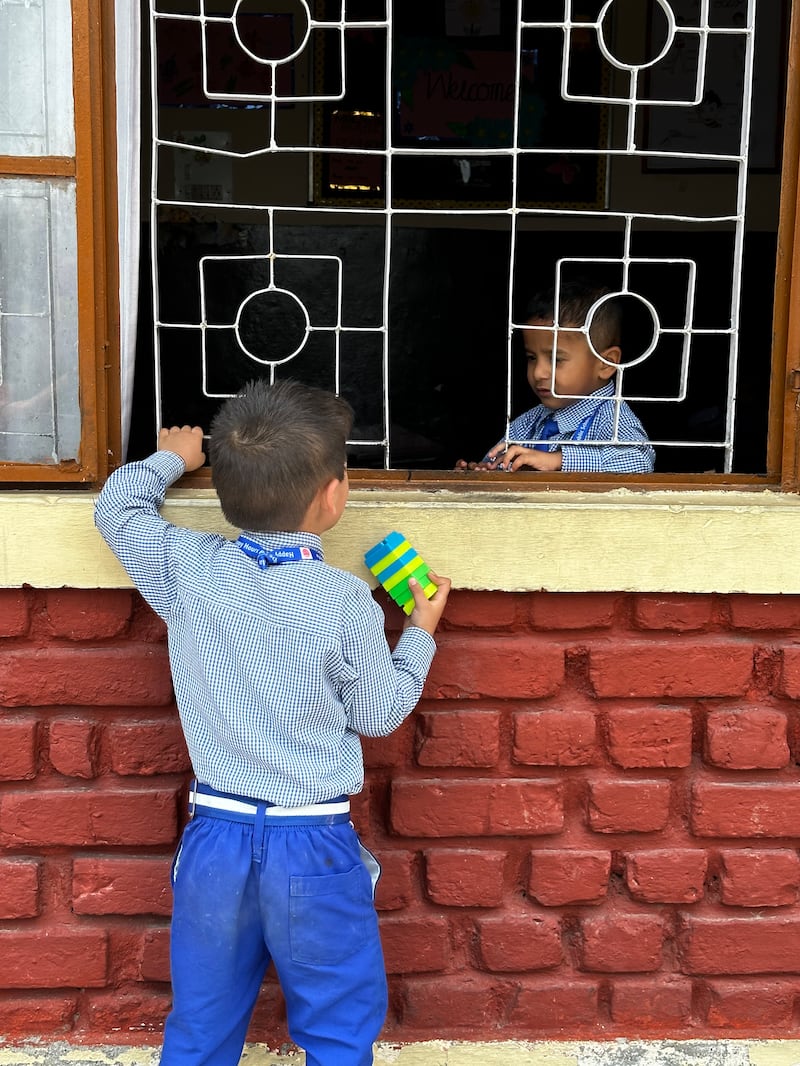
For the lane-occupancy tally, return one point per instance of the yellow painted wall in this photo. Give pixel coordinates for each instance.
(561, 541)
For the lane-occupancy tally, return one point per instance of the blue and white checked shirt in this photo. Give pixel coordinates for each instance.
(276, 671)
(579, 457)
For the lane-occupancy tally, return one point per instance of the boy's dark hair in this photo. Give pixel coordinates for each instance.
(272, 448)
(576, 299)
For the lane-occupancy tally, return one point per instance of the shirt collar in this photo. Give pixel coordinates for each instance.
(570, 417)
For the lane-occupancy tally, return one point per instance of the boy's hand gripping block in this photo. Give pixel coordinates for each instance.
(393, 561)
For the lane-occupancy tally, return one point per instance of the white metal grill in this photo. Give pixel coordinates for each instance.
(274, 126)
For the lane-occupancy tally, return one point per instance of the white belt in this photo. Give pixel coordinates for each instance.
(222, 803)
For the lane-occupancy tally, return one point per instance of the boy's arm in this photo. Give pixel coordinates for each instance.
(608, 459)
(636, 458)
(612, 458)
(382, 688)
(127, 512)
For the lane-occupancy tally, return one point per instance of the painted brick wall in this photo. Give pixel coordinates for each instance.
(588, 828)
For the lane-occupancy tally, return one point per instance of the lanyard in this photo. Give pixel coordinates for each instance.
(275, 556)
(582, 432)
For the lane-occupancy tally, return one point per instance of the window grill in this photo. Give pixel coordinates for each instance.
(319, 169)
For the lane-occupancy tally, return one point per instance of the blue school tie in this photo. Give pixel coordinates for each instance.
(548, 429)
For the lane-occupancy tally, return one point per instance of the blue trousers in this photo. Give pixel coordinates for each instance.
(294, 891)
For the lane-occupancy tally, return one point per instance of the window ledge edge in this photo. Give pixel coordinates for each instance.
(559, 540)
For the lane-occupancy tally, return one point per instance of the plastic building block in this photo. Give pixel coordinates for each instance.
(393, 561)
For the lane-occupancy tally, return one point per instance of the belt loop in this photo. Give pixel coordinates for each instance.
(192, 798)
(258, 832)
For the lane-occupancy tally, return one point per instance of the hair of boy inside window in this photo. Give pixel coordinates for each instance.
(368, 199)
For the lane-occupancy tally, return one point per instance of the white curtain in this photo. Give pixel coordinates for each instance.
(128, 67)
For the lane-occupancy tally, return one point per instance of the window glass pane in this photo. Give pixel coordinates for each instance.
(39, 414)
(36, 107)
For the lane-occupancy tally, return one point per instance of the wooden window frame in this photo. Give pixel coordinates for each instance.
(93, 171)
(783, 446)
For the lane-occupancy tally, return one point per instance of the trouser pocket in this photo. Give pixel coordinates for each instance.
(331, 916)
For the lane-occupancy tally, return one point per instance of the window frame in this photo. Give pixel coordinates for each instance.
(93, 172)
(783, 444)
(783, 438)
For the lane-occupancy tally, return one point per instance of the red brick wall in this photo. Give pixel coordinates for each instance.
(588, 828)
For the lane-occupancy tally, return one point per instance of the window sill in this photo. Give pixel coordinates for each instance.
(624, 540)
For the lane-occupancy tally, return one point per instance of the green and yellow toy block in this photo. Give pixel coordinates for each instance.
(393, 561)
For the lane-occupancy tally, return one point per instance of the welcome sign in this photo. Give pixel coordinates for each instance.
(457, 95)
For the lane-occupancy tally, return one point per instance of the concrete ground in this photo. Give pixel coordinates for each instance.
(450, 1053)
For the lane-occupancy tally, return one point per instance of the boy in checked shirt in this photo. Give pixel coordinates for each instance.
(279, 663)
(579, 424)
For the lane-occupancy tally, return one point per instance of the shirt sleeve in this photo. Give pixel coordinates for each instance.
(609, 458)
(383, 687)
(127, 516)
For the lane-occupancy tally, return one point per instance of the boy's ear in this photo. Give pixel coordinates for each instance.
(328, 494)
(323, 511)
(611, 355)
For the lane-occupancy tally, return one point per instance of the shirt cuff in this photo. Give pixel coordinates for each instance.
(418, 644)
(168, 464)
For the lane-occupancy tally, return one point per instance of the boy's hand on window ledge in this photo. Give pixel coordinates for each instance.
(462, 464)
(516, 457)
(184, 441)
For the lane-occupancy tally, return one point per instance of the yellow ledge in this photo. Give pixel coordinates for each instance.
(560, 541)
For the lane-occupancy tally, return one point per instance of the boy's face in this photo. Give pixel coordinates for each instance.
(578, 371)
